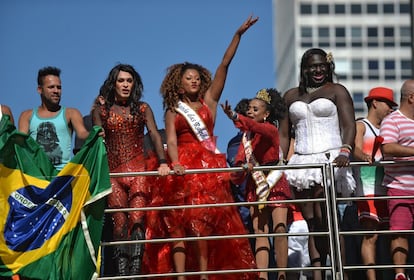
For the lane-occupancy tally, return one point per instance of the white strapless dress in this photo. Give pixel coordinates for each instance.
(317, 140)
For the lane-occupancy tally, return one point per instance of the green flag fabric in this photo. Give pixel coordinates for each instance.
(51, 222)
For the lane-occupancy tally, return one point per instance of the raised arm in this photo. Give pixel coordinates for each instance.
(213, 94)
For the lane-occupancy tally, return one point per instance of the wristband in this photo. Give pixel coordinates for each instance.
(344, 152)
(347, 146)
(162, 161)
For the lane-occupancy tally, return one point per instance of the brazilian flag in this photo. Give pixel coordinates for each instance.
(51, 222)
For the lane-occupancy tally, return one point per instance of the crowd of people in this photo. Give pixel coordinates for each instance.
(313, 123)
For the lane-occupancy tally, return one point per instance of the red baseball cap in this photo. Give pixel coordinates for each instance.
(381, 94)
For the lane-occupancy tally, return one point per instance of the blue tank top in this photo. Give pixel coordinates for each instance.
(54, 135)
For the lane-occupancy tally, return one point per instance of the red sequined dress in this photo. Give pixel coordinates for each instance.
(124, 136)
(195, 189)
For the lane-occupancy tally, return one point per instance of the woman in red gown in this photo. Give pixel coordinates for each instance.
(191, 98)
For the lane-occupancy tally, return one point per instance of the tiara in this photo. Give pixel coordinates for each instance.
(263, 95)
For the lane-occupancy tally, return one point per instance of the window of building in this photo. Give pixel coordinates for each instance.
(339, 9)
(359, 103)
(389, 65)
(373, 69)
(323, 32)
(305, 9)
(404, 8)
(356, 9)
(306, 32)
(356, 33)
(323, 9)
(405, 35)
(357, 69)
(406, 68)
(323, 37)
(306, 36)
(372, 33)
(389, 38)
(342, 68)
(373, 64)
(406, 64)
(340, 36)
(372, 9)
(388, 8)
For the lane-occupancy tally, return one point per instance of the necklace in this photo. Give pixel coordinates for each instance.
(313, 89)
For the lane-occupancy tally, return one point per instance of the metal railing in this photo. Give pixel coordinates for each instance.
(336, 266)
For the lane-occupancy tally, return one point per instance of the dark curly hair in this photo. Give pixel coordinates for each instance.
(107, 90)
(304, 83)
(277, 107)
(172, 83)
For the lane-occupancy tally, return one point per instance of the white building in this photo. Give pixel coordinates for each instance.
(370, 41)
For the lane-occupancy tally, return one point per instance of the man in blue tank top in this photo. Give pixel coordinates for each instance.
(51, 124)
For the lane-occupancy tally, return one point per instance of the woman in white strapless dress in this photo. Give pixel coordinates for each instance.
(321, 124)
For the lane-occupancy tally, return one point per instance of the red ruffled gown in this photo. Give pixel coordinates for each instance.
(195, 189)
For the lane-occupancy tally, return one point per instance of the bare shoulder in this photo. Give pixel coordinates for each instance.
(291, 96)
(5, 108)
(339, 88)
(73, 112)
(26, 114)
(360, 126)
(145, 105)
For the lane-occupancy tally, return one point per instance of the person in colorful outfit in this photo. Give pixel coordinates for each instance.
(322, 123)
(372, 213)
(397, 131)
(51, 124)
(124, 117)
(191, 97)
(260, 146)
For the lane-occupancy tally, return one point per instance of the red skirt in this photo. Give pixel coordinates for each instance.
(196, 189)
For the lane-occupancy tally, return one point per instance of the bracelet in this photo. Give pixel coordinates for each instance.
(162, 161)
(175, 163)
(234, 116)
(347, 146)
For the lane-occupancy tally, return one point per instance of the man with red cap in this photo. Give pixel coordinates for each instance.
(397, 130)
(372, 214)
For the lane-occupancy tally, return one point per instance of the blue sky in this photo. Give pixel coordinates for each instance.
(86, 38)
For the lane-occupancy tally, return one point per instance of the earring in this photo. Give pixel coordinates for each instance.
(264, 119)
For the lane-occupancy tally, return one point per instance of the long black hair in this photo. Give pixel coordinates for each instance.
(304, 82)
(107, 90)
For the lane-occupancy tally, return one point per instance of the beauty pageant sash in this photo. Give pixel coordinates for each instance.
(197, 125)
(263, 184)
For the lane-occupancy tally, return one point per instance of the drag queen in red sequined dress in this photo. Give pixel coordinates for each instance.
(191, 98)
(124, 117)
